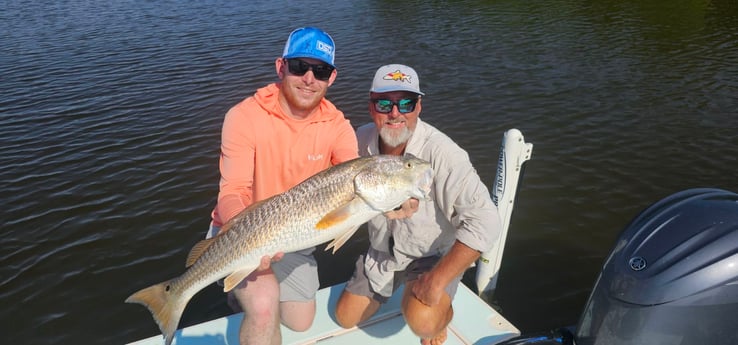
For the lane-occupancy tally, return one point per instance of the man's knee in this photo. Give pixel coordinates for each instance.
(257, 307)
(353, 309)
(297, 316)
(298, 325)
(426, 321)
(345, 316)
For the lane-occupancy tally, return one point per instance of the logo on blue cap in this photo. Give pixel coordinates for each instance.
(310, 42)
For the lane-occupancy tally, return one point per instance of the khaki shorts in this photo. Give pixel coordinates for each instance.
(359, 282)
(297, 273)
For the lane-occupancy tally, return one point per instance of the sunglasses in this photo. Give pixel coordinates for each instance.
(404, 106)
(299, 68)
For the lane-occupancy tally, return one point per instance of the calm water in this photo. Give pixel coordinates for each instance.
(110, 119)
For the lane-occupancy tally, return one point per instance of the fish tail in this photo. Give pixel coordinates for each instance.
(165, 306)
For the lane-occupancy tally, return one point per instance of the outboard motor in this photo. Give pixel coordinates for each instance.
(672, 277)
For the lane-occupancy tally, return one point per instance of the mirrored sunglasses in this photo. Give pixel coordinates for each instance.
(404, 106)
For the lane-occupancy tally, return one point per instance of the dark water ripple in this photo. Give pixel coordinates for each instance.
(111, 113)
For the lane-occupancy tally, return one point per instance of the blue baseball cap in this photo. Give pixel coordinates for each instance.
(310, 42)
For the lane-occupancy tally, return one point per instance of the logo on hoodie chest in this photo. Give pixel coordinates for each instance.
(315, 157)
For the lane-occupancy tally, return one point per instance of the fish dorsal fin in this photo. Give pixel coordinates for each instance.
(236, 277)
(198, 249)
(338, 215)
(341, 240)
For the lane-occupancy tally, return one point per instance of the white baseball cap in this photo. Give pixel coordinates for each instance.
(396, 77)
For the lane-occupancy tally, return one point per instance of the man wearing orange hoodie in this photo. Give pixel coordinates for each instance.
(271, 141)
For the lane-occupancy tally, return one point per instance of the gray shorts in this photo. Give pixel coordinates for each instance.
(359, 282)
(297, 273)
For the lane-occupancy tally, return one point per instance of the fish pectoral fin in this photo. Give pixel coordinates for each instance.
(198, 249)
(236, 277)
(339, 215)
(339, 241)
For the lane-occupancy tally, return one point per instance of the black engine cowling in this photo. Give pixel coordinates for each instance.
(672, 277)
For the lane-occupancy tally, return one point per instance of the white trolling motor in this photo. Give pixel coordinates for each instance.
(514, 151)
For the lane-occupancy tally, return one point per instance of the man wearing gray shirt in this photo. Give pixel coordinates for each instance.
(427, 244)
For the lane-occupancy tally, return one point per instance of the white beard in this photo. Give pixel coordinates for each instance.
(395, 138)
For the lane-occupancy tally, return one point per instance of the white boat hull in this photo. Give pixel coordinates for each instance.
(474, 322)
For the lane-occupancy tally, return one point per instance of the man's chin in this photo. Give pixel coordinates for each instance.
(395, 137)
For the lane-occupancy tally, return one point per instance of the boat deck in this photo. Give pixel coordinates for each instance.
(474, 322)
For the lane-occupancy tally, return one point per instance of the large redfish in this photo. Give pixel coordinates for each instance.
(330, 205)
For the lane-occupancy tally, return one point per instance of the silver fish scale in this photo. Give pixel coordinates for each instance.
(314, 198)
(286, 222)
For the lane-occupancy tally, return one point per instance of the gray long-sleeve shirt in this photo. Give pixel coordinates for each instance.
(460, 208)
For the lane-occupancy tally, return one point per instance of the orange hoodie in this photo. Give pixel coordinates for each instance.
(265, 152)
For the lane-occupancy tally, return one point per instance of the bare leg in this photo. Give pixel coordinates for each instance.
(353, 309)
(258, 296)
(427, 322)
(296, 315)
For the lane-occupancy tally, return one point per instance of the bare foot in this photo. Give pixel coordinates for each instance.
(439, 339)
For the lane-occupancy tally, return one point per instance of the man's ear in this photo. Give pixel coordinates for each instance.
(332, 79)
(278, 65)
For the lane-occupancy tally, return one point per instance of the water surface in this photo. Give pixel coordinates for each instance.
(111, 112)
